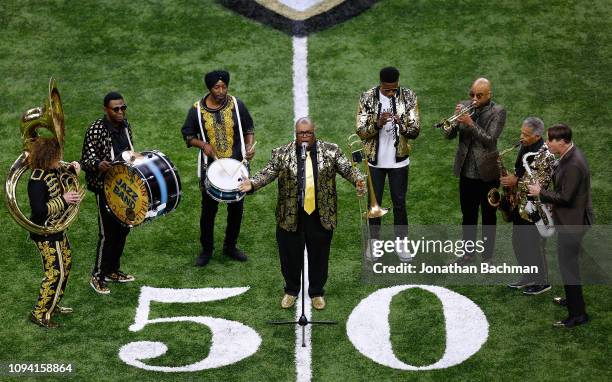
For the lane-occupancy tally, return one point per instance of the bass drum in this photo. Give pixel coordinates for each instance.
(144, 187)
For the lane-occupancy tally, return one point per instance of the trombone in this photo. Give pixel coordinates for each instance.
(375, 210)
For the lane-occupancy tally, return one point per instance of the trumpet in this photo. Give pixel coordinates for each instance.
(448, 123)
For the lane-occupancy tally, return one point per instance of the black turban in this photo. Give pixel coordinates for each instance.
(389, 74)
(211, 78)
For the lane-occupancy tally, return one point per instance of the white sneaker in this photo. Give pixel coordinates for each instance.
(404, 256)
(369, 253)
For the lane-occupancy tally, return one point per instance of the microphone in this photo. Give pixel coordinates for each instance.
(303, 155)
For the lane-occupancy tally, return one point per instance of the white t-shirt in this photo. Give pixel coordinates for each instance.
(386, 140)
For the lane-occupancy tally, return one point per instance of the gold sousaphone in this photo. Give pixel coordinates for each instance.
(50, 118)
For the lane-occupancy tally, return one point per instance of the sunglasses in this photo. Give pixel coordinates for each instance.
(117, 108)
(477, 95)
(305, 133)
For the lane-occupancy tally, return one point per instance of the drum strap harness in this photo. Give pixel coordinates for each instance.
(125, 130)
(201, 153)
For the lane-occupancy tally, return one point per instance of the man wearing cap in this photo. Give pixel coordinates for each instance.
(218, 132)
(387, 117)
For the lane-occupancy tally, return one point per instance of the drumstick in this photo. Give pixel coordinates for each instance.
(239, 167)
(224, 169)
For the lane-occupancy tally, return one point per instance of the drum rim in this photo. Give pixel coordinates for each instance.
(177, 181)
(206, 180)
(240, 194)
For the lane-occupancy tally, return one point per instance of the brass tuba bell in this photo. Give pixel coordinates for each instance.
(49, 117)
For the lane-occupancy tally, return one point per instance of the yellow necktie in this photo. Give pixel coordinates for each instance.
(309, 194)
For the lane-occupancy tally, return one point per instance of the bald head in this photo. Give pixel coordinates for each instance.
(304, 131)
(480, 92)
(304, 121)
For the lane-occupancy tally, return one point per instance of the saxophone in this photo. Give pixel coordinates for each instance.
(506, 200)
(535, 210)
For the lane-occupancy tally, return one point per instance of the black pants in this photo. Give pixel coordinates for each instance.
(57, 262)
(398, 186)
(528, 246)
(473, 196)
(317, 240)
(568, 250)
(111, 240)
(207, 223)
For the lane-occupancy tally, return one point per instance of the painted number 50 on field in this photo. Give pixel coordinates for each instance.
(367, 328)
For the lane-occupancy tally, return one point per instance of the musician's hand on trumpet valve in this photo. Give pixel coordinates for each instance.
(385, 118)
(534, 189)
(464, 118)
(509, 180)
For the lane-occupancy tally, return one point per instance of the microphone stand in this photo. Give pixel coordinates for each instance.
(303, 321)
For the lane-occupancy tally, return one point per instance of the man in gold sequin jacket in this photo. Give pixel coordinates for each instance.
(297, 225)
(387, 117)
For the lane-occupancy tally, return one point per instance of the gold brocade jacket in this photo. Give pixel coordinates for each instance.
(407, 109)
(283, 165)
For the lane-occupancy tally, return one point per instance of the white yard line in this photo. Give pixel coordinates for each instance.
(303, 355)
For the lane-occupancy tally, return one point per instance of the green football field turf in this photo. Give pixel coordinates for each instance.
(550, 59)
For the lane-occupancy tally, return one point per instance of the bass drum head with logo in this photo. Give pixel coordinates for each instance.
(127, 194)
(143, 188)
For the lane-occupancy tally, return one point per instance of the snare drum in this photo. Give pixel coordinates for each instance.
(223, 178)
(144, 187)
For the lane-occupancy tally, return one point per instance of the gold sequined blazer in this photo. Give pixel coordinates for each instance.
(407, 109)
(283, 165)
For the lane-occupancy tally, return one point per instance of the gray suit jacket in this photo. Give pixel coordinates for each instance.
(489, 121)
(571, 198)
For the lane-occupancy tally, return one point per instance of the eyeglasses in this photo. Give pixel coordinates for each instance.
(117, 108)
(477, 95)
(305, 133)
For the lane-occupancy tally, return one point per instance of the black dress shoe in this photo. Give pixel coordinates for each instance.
(203, 259)
(536, 289)
(561, 301)
(522, 283)
(235, 253)
(570, 322)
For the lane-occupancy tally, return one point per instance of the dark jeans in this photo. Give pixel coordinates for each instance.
(317, 240)
(529, 248)
(398, 186)
(568, 250)
(207, 223)
(473, 196)
(111, 240)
